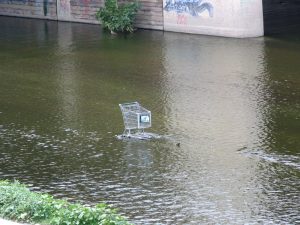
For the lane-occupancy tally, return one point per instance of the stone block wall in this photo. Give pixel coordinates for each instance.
(78, 10)
(43, 9)
(150, 14)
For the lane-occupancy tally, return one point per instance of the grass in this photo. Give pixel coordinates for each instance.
(18, 203)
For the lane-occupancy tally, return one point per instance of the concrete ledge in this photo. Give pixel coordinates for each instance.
(7, 222)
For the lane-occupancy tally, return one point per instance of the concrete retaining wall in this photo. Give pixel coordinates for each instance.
(230, 18)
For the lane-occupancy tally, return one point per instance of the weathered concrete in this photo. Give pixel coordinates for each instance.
(230, 18)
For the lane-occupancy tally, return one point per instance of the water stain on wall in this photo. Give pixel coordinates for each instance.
(45, 7)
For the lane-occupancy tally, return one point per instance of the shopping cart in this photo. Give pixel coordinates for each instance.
(136, 118)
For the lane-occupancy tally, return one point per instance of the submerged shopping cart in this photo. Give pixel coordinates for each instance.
(136, 118)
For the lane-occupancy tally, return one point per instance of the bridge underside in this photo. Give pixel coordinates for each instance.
(281, 16)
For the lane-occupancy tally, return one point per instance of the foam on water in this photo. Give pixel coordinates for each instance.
(139, 136)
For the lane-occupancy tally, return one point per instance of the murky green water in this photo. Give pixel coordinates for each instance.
(234, 105)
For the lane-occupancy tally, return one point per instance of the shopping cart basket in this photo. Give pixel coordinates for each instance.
(136, 118)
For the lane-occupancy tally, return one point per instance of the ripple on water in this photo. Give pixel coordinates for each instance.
(211, 95)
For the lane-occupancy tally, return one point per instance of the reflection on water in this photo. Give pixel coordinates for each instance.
(233, 105)
(67, 74)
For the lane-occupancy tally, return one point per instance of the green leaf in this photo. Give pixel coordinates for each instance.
(117, 18)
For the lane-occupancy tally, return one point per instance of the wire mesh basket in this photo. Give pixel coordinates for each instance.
(136, 118)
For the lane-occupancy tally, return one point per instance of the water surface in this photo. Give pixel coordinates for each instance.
(232, 104)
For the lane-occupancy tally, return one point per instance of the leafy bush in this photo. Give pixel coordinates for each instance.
(117, 18)
(18, 203)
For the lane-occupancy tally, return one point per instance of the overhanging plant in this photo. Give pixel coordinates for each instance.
(117, 18)
(17, 202)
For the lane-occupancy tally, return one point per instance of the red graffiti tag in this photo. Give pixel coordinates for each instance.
(181, 19)
(86, 7)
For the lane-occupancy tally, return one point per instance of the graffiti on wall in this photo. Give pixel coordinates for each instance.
(63, 9)
(192, 7)
(12, 1)
(64, 5)
(182, 19)
(33, 7)
(86, 7)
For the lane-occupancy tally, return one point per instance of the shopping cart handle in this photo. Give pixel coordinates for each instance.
(129, 103)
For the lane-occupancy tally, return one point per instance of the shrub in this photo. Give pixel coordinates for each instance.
(117, 18)
(18, 203)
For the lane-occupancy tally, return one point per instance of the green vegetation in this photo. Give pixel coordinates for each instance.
(117, 18)
(17, 202)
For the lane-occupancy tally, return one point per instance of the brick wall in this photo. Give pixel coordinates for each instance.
(149, 16)
(45, 9)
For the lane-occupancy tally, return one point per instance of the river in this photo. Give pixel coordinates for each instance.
(232, 104)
